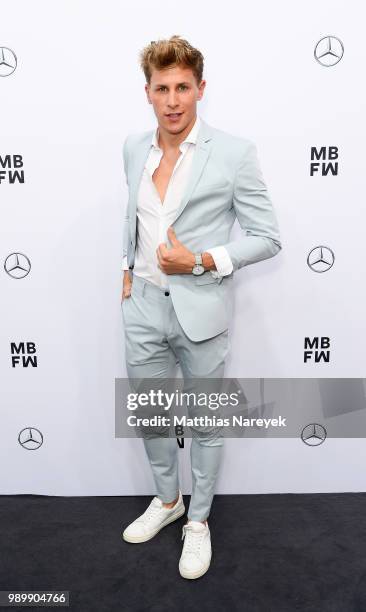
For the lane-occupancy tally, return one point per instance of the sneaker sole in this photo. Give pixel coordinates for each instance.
(194, 575)
(137, 540)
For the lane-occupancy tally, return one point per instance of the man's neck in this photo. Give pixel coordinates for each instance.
(172, 141)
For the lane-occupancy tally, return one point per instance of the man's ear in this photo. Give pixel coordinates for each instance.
(201, 89)
(147, 93)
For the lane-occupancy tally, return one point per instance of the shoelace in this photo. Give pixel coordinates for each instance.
(151, 511)
(193, 540)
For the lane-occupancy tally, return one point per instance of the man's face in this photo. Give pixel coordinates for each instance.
(174, 92)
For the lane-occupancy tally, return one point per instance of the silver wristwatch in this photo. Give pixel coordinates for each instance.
(198, 267)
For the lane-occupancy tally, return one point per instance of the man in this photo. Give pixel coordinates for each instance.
(188, 182)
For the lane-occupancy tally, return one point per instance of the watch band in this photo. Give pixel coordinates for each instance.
(198, 258)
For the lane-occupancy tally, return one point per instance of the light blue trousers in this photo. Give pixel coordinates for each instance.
(155, 342)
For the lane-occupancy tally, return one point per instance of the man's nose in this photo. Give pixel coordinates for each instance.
(172, 99)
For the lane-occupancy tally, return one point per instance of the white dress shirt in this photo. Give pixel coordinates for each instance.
(154, 217)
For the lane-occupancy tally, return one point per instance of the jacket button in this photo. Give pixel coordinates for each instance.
(166, 293)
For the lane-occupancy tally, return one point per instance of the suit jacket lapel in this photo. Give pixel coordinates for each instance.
(140, 155)
(199, 160)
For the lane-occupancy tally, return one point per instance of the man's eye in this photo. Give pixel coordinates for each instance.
(183, 87)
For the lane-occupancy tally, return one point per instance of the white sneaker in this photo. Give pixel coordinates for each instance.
(155, 517)
(196, 555)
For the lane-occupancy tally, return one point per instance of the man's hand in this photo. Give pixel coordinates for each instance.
(176, 260)
(127, 284)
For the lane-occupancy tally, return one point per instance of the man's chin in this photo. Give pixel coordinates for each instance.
(175, 128)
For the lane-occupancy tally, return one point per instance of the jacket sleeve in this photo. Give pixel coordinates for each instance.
(126, 219)
(255, 214)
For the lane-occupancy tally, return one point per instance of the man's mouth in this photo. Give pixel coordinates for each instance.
(174, 116)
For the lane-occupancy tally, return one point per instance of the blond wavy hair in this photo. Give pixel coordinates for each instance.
(175, 51)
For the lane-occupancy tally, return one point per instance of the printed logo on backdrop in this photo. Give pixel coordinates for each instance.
(320, 259)
(17, 265)
(328, 51)
(326, 165)
(11, 174)
(317, 349)
(30, 438)
(23, 354)
(313, 434)
(8, 61)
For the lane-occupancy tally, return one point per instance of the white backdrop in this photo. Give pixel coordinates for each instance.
(76, 93)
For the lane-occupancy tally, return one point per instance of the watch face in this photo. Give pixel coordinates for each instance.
(197, 270)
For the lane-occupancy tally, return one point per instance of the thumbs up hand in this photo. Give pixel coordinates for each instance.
(177, 259)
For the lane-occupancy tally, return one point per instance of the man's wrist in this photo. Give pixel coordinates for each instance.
(208, 261)
(192, 263)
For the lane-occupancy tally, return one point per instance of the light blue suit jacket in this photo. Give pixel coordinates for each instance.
(225, 183)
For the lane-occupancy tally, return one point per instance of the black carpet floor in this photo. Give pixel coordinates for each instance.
(271, 553)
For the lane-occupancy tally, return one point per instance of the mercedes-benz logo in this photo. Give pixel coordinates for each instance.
(8, 61)
(17, 265)
(313, 434)
(329, 51)
(30, 438)
(320, 258)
